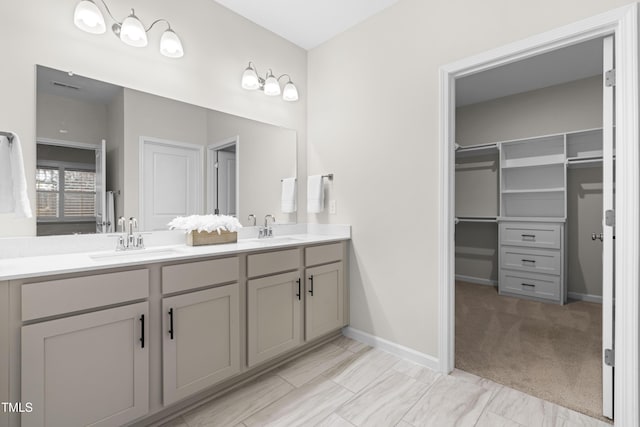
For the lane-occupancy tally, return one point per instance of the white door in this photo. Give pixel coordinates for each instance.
(608, 297)
(226, 183)
(101, 190)
(171, 182)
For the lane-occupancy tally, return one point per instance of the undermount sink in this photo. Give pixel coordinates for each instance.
(281, 239)
(134, 255)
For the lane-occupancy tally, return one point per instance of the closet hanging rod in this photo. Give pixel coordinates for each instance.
(9, 136)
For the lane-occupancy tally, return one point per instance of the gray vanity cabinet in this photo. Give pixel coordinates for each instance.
(274, 315)
(201, 340)
(89, 369)
(201, 328)
(324, 300)
(325, 291)
(274, 304)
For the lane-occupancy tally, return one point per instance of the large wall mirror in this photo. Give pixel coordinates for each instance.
(105, 151)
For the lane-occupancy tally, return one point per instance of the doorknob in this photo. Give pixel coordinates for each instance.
(595, 236)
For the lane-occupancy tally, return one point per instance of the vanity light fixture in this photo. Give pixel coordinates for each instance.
(131, 30)
(270, 85)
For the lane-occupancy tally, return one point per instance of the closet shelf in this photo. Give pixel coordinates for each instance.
(535, 190)
(534, 162)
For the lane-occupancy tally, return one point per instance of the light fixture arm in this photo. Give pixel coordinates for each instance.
(109, 11)
(157, 21)
(285, 75)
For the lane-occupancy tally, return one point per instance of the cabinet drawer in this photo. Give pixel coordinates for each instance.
(62, 296)
(192, 275)
(535, 285)
(541, 235)
(527, 259)
(323, 254)
(273, 262)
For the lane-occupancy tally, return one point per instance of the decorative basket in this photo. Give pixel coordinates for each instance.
(200, 238)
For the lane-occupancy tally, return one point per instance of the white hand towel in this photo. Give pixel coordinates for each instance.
(315, 194)
(13, 183)
(288, 202)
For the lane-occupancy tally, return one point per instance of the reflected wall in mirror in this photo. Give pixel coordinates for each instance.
(160, 158)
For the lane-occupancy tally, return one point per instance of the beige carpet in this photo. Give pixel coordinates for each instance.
(546, 350)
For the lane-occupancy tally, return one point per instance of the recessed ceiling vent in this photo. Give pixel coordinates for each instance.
(65, 85)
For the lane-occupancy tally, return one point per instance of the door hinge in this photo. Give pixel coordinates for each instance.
(609, 357)
(610, 217)
(610, 78)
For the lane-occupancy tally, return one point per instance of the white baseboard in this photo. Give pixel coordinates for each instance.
(476, 280)
(584, 297)
(393, 348)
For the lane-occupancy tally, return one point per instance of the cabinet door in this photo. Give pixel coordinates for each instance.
(90, 369)
(324, 300)
(274, 309)
(201, 340)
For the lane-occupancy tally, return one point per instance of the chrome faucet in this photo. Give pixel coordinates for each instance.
(129, 239)
(252, 218)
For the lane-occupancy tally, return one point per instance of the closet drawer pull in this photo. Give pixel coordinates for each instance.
(529, 260)
(528, 236)
(528, 284)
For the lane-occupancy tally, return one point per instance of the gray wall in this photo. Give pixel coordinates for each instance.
(267, 154)
(83, 121)
(373, 118)
(154, 116)
(568, 107)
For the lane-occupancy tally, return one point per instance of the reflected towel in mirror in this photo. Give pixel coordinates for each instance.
(288, 201)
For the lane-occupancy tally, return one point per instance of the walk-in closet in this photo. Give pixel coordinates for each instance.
(529, 224)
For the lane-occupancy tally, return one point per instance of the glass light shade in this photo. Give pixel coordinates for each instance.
(132, 32)
(170, 45)
(271, 86)
(88, 17)
(250, 79)
(290, 92)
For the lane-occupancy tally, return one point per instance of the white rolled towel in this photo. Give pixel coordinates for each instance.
(315, 194)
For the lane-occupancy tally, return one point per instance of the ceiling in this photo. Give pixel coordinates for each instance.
(307, 23)
(61, 83)
(560, 66)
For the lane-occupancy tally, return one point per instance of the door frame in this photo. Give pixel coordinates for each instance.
(623, 23)
(211, 148)
(176, 144)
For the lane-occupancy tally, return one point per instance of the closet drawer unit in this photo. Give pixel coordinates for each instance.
(545, 261)
(273, 262)
(534, 285)
(539, 235)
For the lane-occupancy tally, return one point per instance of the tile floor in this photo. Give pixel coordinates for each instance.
(345, 383)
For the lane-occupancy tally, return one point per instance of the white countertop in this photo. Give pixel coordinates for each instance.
(45, 265)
